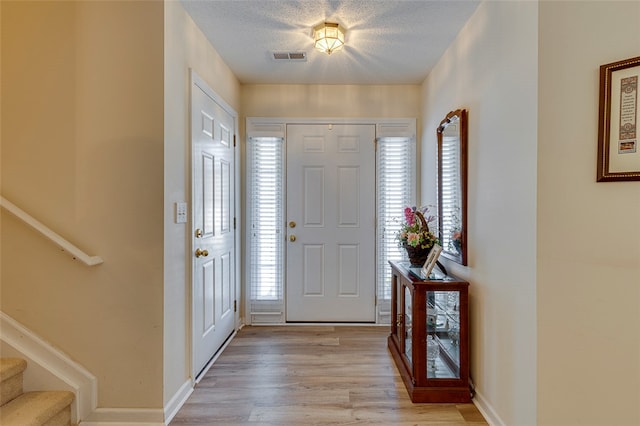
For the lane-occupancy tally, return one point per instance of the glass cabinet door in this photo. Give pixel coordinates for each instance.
(408, 324)
(443, 334)
(397, 289)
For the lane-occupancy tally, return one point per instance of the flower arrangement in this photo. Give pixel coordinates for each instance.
(414, 231)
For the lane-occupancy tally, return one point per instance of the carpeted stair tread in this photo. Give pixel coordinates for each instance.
(35, 408)
(9, 367)
(11, 375)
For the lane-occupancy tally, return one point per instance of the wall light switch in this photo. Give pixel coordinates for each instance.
(181, 212)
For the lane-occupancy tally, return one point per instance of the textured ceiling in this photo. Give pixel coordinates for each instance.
(387, 41)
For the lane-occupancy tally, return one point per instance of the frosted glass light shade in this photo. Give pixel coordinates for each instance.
(328, 37)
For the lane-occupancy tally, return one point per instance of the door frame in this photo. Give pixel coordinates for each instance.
(277, 126)
(196, 80)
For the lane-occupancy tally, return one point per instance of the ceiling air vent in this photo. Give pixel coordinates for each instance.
(290, 56)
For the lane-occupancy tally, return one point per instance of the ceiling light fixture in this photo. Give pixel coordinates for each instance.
(328, 37)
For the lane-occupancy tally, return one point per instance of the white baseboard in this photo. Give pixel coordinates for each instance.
(487, 410)
(125, 417)
(43, 357)
(177, 401)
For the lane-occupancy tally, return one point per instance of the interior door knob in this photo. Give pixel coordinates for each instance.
(292, 238)
(201, 253)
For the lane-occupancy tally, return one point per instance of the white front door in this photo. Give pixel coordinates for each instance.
(213, 240)
(330, 223)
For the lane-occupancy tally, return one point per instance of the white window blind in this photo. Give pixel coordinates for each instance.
(265, 206)
(450, 186)
(396, 190)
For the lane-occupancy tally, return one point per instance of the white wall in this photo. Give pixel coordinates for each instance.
(185, 48)
(491, 70)
(588, 238)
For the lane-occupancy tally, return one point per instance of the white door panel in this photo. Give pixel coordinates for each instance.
(213, 235)
(331, 197)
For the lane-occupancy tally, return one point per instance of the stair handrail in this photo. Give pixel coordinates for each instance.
(65, 245)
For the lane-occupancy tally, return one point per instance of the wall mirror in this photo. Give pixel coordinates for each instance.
(452, 185)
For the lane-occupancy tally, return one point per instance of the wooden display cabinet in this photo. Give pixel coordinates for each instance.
(429, 338)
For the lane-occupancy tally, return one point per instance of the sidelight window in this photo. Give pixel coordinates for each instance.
(265, 207)
(395, 190)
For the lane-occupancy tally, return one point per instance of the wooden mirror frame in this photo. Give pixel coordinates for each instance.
(460, 117)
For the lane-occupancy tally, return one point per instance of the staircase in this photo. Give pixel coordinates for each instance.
(18, 408)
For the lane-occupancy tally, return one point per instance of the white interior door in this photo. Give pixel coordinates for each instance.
(213, 238)
(331, 200)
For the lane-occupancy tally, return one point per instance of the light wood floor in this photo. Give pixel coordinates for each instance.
(302, 375)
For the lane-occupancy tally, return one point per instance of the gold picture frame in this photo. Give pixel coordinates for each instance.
(618, 128)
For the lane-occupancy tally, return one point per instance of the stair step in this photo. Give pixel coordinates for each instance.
(50, 408)
(9, 367)
(11, 370)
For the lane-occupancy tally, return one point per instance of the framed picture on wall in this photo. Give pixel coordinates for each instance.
(618, 150)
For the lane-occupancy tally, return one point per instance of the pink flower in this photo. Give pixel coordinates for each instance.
(409, 216)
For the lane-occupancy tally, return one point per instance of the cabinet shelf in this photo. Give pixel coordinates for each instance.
(433, 309)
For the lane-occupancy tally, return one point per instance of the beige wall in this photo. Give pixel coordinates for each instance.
(491, 70)
(588, 238)
(295, 100)
(82, 144)
(185, 48)
(1, 97)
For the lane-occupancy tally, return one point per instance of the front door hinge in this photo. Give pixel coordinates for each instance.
(234, 223)
(234, 141)
(235, 306)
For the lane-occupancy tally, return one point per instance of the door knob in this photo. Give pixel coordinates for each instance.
(201, 253)
(292, 238)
